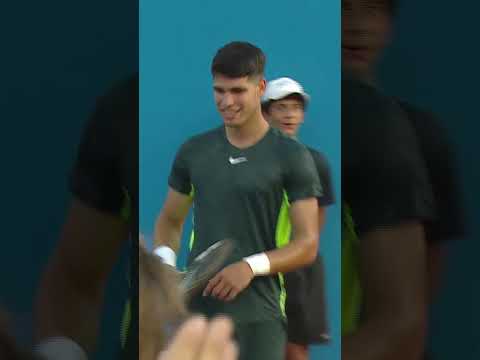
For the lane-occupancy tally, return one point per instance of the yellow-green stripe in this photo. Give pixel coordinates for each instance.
(282, 238)
(351, 289)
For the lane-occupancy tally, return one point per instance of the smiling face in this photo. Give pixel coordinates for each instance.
(366, 31)
(286, 114)
(238, 99)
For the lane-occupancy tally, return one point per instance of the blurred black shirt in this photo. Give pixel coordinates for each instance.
(384, 178)
(105, 175)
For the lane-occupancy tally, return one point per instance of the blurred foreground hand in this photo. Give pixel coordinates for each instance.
(199, 339)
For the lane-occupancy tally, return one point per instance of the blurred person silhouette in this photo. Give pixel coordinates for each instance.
(367, 30)
(101, 220)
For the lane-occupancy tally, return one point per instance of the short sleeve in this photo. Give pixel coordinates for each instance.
(324, 174)
(385, 181)
(441, 164)
(301, 178)
(179, 178)
(96, 178)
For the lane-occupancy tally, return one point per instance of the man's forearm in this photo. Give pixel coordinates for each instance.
(307, 221)
(68, 309)
(393, 272)
(300, 252)
(385, 339)
(71, 292)
(168, 233)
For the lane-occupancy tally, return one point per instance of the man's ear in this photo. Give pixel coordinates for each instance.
(262, 85)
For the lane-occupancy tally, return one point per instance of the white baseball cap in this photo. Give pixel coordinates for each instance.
(282, 87)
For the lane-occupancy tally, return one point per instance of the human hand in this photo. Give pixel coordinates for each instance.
(199, 339)
(229, 282)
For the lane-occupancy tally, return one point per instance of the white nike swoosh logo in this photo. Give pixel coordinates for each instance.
(238, 160)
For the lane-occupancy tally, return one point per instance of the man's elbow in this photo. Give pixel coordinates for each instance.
(310, 249)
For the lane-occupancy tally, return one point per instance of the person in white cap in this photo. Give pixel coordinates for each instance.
(283, 106)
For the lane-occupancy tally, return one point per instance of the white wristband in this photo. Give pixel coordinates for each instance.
(167, 255)
(259, 263)
(60, 348)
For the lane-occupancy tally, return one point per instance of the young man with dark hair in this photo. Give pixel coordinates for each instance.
(374, 326)
(284, 104)
(240, 177)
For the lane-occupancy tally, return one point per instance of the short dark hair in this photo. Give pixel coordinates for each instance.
(267, 104)
(239, 59)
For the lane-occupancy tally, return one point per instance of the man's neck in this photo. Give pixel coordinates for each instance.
(248, 134)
